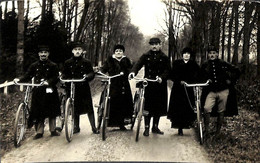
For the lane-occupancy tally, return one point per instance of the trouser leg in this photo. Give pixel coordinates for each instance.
(76, 121)
(155, 128)
(91, 118)
(219, 122)
(147, 120)
(206, 122)
(39, 126)
(52, 124)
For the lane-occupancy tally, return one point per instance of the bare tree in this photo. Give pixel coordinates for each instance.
(20, 39)
(258, 39)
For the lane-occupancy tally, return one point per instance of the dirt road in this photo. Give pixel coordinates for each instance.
(119, 146)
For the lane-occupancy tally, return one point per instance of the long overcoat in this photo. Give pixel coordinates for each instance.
(219, 72)
(76, 68)
(182, 98)
(43, 104)
(121, 103)
(155, 64)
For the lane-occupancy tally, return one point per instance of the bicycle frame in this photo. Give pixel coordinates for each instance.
(22, 113)
(140, 101)
(106, 110)
(197, 92)
(69, 109)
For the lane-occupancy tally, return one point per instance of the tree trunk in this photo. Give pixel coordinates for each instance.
(5, 12)
(245, 54)
(230, 26)
(82, 21)
(20, 39)
(217, 23)
(258, 39)
(171, 35)
(224, 19)
(76, 19)
(99, 24)
(43, 9)
(64, 13)
(26, 20)
(1, 43)
(236, 37)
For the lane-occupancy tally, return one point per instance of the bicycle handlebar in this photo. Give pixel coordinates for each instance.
(102, 75)
(146, 79)
(29, 84)
(197, 84)
(74, 80)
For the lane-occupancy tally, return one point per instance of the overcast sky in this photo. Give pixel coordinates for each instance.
(148, 15)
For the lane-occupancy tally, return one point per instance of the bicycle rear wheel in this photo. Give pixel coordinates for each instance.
(139, 119)
(136, 103)
(19, 125)
(105, 119)
(69, 119)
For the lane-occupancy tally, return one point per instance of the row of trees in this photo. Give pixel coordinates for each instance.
(100, 24)
(232, 26)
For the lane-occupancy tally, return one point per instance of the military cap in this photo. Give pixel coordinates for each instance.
(118, 46)
(154, 40)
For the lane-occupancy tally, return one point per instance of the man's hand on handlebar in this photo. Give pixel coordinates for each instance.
(131, 75)
(159, 79)
(16, 80)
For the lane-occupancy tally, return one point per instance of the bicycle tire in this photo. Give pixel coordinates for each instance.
(105, 119)
(200, 126)
(139, 119)
(136, 102)
(20, 120)
(63, 108)
(69, 120)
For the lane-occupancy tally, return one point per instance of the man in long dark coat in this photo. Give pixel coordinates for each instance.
(222, 76)
(182, 98)
(121, 103)
(45, 99)
(156, 63)
(76, 68)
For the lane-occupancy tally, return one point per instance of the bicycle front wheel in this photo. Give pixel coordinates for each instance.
(136, 103)
(200, 126)
(105, 119)
(19, 125)
(139, 119)
(69, 119)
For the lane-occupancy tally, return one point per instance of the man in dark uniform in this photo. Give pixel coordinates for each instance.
(156, 63)
(45, 99)
(76, 68)
(222, 75)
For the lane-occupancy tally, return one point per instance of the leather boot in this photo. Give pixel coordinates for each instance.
(206, 122)
(219, 123)
(180, 132)
(92, 123)
(146, 131)
(76, 125)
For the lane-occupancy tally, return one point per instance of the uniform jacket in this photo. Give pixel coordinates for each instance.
(75, 68)
(182, 101)
(219, 72)
(121, 103)
(155, 64)
(43, 104)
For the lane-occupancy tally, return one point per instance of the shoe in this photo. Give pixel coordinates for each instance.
(58, 129)
(146, 132)
(95, 131)
(122, 128)
(54, 133)
(180, 132)
(76, 130)
(157, 131)
(37, 136)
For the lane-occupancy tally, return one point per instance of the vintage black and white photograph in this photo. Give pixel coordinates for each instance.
(129, 81)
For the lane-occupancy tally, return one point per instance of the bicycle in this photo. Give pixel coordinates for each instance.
(104, 106)
(60, 119)
(69, 107)
(139, 100)
(197, 108)
(22, 114)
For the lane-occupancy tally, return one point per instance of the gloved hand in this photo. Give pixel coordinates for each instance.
(159, 79)
(16, 80)
(131, 75)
